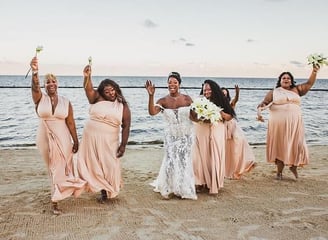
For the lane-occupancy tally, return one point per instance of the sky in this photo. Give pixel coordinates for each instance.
(206, 38)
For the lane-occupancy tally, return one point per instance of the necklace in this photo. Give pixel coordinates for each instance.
(53, 99)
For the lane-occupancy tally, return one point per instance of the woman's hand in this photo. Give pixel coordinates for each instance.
(34, 64)
(150, 87)
(75, 147)
(120, 151)
(87, 71)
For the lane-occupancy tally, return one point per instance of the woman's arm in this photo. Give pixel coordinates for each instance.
(90, 92)
(70, 122)
(126, 123)
(152, 109)
(267, 99)
(35, 84)
(236, 98)
(305, 87)
(226, 116)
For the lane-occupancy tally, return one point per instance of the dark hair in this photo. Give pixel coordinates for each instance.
(218, 98)
(175, 75)
(108, 82)
(291, 77)
(228, 94)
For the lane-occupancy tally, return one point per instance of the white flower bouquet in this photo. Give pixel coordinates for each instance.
(206, 110)
(317, 60)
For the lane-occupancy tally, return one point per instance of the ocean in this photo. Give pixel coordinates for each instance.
(18, 120)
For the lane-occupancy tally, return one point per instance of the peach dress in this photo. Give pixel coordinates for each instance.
(285, 133)
(55, 145)
(97, 161)
(208, 154)
(239, 155)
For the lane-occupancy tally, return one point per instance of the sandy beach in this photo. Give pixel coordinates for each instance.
(255, 207)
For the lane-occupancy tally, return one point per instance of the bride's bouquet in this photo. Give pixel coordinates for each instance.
(206, 110)
(317, 60)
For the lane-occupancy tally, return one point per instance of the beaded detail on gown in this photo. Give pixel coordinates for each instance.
(176, 172)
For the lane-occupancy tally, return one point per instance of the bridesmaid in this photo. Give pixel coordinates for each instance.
(56, 137)
(285, 141)
(239, 155)
(104, 137)
(209, 145)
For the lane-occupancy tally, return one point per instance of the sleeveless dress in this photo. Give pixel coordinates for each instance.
(176, 174)
(55, 145)
(285, 134)
(97, 161)
(239, 155)
(208, 154)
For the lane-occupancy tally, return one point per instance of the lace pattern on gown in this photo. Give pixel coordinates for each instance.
(176, 172)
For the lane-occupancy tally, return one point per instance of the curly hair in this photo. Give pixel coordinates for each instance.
(112, 83)
(291, 77)
(218, 98)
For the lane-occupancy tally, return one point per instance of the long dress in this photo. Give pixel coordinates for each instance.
(55, 145)
(176, 172)
(285, 134)
(239, 155)
(97, 161)
(208, 154)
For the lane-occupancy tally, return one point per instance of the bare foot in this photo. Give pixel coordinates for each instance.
(55, 209)
(279, 176)
(293, 169)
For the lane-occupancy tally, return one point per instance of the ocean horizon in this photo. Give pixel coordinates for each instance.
(18, 121)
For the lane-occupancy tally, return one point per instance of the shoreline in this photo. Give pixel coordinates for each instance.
(255, 207)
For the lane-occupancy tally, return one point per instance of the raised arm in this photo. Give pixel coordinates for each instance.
(90, 92)
(236, 98)
(126, 123)
(152, 109)
(35, 84)
(303, 88)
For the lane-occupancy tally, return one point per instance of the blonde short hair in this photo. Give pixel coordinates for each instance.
(49, 76)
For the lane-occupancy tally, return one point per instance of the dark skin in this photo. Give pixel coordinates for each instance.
(51, 87)
(173, 100)
(111, 95)
(207, 93)
(299, 89)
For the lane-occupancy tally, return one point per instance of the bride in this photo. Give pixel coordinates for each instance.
(176, 173)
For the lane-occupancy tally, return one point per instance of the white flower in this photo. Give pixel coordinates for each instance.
(38, 49)
(206, 110)
(317, 60)
(90, 60)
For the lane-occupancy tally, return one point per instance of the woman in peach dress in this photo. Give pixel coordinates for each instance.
(56, 137)
(239, 155)
(285, 143)
(208, 150)
(102, 146)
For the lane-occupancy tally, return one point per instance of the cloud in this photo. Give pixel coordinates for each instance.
(250, 40)
(297, 63)
(183, 41)
(149, 24)
(190, 44)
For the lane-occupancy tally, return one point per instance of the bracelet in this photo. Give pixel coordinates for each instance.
(34, 72)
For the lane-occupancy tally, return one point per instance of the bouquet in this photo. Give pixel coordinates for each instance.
(317, 60)
(206, 110)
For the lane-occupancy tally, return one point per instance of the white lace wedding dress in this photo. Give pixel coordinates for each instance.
(176, 173)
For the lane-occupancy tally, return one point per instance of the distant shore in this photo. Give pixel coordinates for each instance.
(255, 207)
